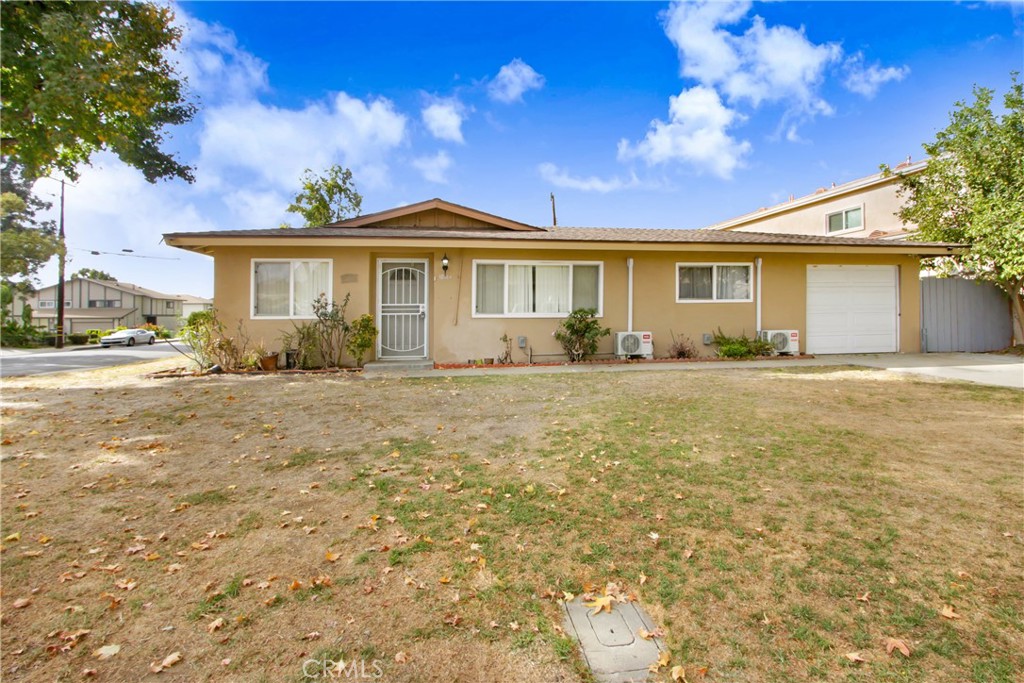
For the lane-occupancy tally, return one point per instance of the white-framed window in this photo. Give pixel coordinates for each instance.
(169, 305)
(845, 221)
(536, 289)
(104, 303)
(714, 282)
(47, 304)
(286, 288)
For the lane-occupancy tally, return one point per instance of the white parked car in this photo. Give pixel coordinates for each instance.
(128, 338)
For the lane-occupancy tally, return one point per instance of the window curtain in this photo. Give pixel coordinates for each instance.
(520, 289)
(733, 282)
(490, 288)
(585, 287)
(312, 279)
(695, 282)
(272, 288)
(552, 289)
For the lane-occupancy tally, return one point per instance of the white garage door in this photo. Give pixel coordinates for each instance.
(851, 309)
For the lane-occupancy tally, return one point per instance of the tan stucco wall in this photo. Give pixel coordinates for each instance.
(880, 205)
(455, 336)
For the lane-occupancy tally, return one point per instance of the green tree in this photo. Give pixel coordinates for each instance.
(79, 77)
(327, 198)
(94, 274)
(26, 243)
(972, 193)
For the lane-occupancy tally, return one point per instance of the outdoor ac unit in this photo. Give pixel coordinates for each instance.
(634, 344)
(783, 341)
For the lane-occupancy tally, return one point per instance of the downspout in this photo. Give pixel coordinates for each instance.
(757, 294)
(629, 295)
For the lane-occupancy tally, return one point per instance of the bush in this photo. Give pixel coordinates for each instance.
(160, 331)
(78, 338)
(579, 333)
(15, 334)
(682, 347)
(94, 336)
(362, 336)
(741, 346)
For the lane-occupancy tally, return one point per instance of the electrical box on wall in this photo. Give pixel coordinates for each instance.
(521, 341)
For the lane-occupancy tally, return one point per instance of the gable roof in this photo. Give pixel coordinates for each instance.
(387, 226)
(394, 216)
(822, 194)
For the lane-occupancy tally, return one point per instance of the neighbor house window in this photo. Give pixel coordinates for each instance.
(47, 304)
(713, 282)
(542, 289)
(841, 221)
(104, 303)
(169, 305)
(284, 288)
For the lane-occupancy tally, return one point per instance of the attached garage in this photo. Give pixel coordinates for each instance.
(852, 309)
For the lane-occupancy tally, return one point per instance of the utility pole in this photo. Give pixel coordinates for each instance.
(61, 262)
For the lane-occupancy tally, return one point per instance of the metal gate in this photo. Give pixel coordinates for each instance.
(963, 315)
(402, 309)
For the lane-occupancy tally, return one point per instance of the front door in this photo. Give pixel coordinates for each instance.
(402, 309)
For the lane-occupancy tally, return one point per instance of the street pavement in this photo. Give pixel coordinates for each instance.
(22, 363)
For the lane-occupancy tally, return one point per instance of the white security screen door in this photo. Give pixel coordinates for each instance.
(402, 309)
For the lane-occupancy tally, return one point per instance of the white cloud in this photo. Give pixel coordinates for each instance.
(514, 79)
(216, 67)
(763, 64)
(562, 178)
(443, 117)
(696, 134)
(270, 145)
(434, 168)
(867, 81)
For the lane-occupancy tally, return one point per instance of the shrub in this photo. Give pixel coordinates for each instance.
(362, 336)
(78, 338)
(741, 346)
(94, 336)
(14, 333)
(579, 333)
(682, 347)
(160, 331)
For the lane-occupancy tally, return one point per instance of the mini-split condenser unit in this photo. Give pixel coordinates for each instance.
(783, 341)
(634, 344)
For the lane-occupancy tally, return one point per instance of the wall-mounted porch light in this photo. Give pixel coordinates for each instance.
(444, 264)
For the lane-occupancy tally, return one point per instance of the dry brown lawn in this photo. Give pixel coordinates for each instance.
(423, 529)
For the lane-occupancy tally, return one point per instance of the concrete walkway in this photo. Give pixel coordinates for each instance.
(993, 370)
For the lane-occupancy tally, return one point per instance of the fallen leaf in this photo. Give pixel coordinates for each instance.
(664, 658)
(13, 538)
(678, 673)
(896, 644)
(21, 603)
(854, 657)
(168, 661)
(401, 657)
(312, 635)
(643, 578)
(865, 597)
(295, 585)
(174, 568)
(331, 556)
(215, 624)
(106, 652)
(599, 604)
(947, 612)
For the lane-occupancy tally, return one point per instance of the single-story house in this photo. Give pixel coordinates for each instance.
(91, 304)
(446, 282)
(193, 304)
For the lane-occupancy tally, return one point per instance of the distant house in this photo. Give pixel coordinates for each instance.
(863, 208)
(193, 304)
(101, 304)
(446, 282)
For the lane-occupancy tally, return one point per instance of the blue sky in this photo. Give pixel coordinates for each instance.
(634, 114)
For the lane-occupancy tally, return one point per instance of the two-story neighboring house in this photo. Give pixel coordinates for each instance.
(865, 207)
(192, 304)
(101, 304)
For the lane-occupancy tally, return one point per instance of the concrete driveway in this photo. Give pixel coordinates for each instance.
(982, 368)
